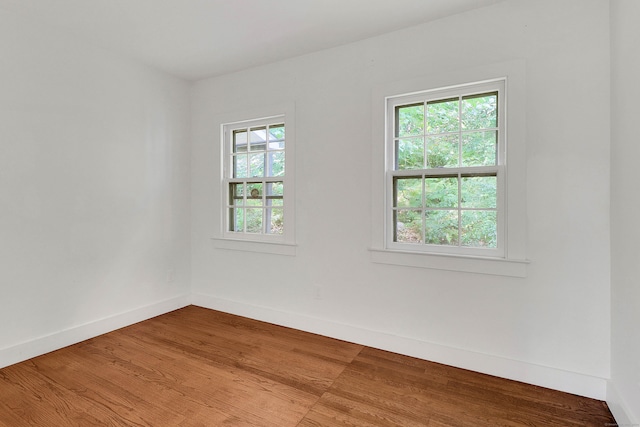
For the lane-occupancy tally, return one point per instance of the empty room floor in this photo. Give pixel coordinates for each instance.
(199, 367)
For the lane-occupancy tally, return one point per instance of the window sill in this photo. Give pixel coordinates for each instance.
(469, 264)
(275, 248)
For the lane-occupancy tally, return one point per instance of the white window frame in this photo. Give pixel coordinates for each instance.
(459, 91)
(279, 244)
(510, 260)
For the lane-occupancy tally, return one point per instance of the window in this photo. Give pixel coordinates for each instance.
(446, 170)
(256, 192)
(449, 178)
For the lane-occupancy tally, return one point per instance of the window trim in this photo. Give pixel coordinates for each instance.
(514, 262)
(277, 244)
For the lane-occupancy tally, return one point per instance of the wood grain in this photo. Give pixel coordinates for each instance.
(199, 367)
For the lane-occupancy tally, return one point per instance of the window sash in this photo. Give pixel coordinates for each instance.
(423, 208)
(259, 197)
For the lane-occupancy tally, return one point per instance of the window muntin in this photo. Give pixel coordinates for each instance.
(255, 179)
(445, 167)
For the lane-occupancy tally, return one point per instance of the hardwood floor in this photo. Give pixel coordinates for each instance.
(198, 367)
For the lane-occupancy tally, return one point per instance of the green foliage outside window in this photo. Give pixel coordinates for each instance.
(257, 153)
(447, 209)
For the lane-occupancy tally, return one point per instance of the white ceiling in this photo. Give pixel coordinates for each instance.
(200, 38)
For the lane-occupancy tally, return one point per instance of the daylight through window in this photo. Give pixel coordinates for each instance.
(445, 163)
(255, 180)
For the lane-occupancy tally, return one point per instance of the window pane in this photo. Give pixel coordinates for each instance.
(408, 226)
(276, 137)
(410, 120)
(236, 192)
(479, 192)
(254, 194)
(442, 116)
(254, 220)
(479, 229)
(410, 153)
(276, 163)
(275, 188)
(480, 148)
(236, 216)
(240, 141)
(276, 133)
(274, 194)
(480, 111)
(256, 165)
(258, 138)
(442, 151)
(441, 192)
(408, 192)
(240, 166)
(275, 221)
(441, 227)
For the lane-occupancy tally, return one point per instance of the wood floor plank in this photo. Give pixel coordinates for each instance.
(198, 367)
(250, 331)
(111, 386)
(41, 402)
(378, 383)
(305, 371)
(234, 388)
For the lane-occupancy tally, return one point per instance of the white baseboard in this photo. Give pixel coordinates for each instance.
(557, 379)
(619, 408)
(45, 344)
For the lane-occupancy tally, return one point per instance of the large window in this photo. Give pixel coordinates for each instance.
(256, 201)
(445, 170)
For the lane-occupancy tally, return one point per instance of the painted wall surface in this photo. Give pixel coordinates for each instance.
(556, 317)
(94, 184)
(624, 389)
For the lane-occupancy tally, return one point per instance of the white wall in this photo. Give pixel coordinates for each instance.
(94, 190)
(551, 328)
(624, 389)
(95, 198)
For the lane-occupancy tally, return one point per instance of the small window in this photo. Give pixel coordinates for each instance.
(257, 201)
(445, 170)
